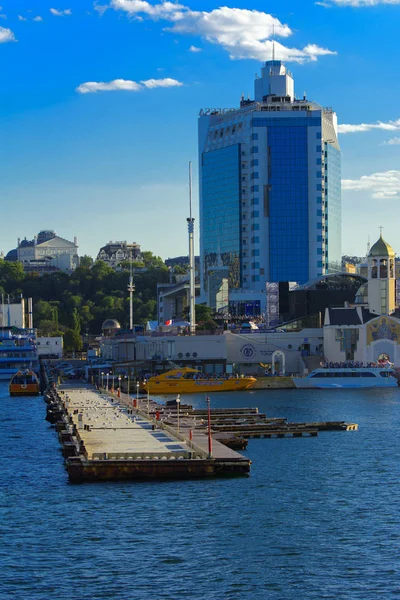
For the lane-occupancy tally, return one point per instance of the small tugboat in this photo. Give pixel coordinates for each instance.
(24, 383)
(184, 380)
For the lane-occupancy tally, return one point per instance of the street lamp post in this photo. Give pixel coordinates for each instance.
(102, 378)
(178, 401)
(119, 386)
(137, 394)
(148, 399)
(107, 376)
(209, 427)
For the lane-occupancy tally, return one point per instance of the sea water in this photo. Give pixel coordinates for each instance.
(317, 518)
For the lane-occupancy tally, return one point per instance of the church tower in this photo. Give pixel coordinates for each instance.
(381, 278)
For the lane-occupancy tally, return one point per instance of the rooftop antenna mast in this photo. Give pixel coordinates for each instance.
(190, 221)
(131, 289)
(368, 245)
(273, 41)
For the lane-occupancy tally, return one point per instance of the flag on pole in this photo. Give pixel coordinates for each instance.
(169, 322)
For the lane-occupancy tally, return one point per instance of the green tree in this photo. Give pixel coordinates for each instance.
(72, 340)
(85, 262)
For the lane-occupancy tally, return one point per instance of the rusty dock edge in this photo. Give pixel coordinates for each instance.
(81, 470)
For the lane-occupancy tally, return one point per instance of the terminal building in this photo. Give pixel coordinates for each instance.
(270, 192)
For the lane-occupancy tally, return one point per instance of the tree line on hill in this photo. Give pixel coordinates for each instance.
(77, 303)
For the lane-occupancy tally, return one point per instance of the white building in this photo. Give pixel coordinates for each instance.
(12, 315)
(46, 250)
(370, 329)
(50, 346)
(228, 351)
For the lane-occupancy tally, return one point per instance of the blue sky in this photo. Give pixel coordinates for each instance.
(80, 155)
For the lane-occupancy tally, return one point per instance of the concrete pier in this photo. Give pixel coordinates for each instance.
(104, 438)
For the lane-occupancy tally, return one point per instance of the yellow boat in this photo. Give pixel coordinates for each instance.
(24, 383)
(191, 381)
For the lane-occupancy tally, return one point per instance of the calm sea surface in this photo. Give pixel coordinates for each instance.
(318, 517)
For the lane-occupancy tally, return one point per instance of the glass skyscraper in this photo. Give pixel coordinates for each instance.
(270, 204)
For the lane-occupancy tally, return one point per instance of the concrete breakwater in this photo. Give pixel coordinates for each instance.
(105, 438)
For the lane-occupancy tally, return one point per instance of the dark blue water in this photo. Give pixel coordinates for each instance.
(318, 518)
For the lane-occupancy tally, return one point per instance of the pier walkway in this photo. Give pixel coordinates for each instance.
(106, 438)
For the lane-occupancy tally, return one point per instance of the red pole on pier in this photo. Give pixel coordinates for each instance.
(209, 428)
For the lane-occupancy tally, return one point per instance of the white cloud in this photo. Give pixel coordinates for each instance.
(389, 126)
(61, 13)
(21, 18)
(358, 3)
(6, 35)
(380, 185)
(392, 142)
(100, 8)
(165, 83)
(241, 32)
(133, 7)
(125, 85)
(38, 19)
(194, 49)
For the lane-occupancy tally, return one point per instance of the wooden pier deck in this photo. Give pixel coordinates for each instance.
(105, 438)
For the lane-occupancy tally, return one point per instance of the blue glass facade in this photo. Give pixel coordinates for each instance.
(221, 212)
(287, 202)
(334, 210)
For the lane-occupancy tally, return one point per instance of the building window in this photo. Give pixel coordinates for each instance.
(254, 188)
(254, 175)
(255, 213)
(254, 149)
(254, 136)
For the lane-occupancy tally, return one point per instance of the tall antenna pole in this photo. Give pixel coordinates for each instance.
(190, 220)
(273, 41)
(131, 289)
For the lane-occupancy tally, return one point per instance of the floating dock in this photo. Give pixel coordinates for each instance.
(106, 439)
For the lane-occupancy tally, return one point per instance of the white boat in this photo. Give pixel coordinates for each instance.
(18, 351)
(347, 377)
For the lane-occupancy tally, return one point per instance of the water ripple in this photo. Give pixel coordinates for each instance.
(317, 519)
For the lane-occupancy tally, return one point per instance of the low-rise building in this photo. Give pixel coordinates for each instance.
(51, 347)
(221, 352)
(46, 252)
(115, 253)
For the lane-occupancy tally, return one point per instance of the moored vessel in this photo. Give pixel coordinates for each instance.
(18, 351)
(24, 383)
(190, 381)
(347, 377)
